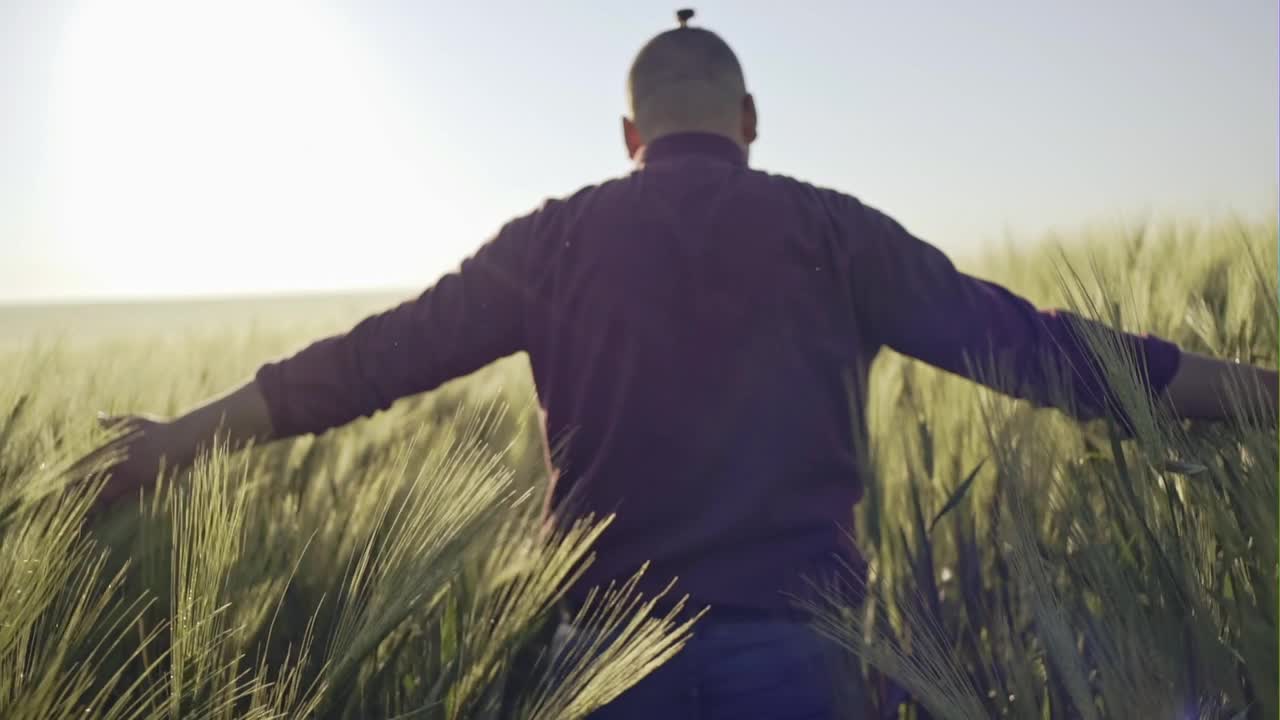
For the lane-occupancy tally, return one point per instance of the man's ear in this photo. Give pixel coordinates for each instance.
(631, 136)
(749, 119)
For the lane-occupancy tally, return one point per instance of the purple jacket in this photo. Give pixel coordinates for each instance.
(700, 334)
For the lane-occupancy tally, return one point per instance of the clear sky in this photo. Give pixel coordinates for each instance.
(161, 147)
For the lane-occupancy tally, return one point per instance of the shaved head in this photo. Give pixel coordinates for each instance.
(688, 80)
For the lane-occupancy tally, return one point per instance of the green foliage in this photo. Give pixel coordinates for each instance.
(1081, 575)
(1021, 565)
(388, 569)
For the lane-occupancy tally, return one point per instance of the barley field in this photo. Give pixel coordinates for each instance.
(1023, 566)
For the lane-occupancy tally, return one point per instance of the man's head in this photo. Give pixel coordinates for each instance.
(687, 80)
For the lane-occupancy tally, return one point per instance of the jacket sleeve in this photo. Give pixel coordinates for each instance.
(469, 318)
(915, 301)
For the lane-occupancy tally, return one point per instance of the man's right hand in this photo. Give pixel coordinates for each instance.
(130, 461)
(148, 444)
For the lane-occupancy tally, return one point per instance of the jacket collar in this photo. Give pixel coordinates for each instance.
(680, 145)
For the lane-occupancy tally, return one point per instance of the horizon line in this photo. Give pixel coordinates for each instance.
(317, 293)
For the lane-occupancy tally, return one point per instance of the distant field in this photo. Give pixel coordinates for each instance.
(83, 323)
(1023, 566)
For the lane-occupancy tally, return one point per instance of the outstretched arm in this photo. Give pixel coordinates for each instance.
(915, 301)
(1206, 388)
(470, 318)
(236, 419)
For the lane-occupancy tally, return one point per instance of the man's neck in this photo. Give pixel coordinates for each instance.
(684, 144)
(734, 136)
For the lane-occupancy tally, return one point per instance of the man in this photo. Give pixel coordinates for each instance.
(700, 335)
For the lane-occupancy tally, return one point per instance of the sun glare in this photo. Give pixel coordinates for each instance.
(224, 147)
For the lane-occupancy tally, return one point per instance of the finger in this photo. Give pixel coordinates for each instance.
(100, 460)
(123, 429)
(111, 422)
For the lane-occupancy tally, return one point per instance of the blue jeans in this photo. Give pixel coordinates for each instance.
(741, 669)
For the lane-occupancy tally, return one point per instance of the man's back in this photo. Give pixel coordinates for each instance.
(694, 345)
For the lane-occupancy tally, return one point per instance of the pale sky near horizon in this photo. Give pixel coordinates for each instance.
(160, 148)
